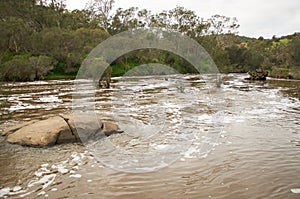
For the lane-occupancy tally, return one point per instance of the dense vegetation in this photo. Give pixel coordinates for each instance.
(42, 39)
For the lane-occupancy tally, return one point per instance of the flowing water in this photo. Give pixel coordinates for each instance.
(185, 138)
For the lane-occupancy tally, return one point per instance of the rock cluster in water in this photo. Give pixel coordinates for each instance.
(59, 129)
(258, 74)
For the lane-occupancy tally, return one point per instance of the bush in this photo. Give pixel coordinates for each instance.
(280, 72)
(26, 68)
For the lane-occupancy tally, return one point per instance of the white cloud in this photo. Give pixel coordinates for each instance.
(256, 17)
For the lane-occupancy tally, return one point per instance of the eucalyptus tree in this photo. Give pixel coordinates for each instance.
(123, 20)
(101, 11)
(219, 24)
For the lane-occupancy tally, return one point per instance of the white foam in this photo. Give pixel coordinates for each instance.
(45, 180)
(75, 176)
(22, 106)
(161, 147)
(60, 168)
(54, 189)
(26, 194)
(12, 193)
(41, 193)
(295, 190)
(44, 165)
(189, 153)
(34, 83)
(76, 158)
(4, 191)
(50, 99)
(16, 188)
(41, 172)
(50, 180)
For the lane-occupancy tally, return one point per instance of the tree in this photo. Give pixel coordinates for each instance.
(57, 8)
(77, 19)
(41, 65)
(185, 21)
(14, 35)
(101, 10)
(144, 18)
(222, 25)
(295, 52)
(180, 20)
(243, 58)
(277, 54)
(123, 20)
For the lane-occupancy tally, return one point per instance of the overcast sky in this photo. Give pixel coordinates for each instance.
(256, 17)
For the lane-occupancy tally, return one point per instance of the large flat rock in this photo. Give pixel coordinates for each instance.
(17, 127)
(60, 129)
(40, 133)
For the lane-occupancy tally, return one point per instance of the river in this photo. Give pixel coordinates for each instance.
(184, 139)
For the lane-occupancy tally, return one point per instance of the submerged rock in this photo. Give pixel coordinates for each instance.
(258, 74)
(59, 129)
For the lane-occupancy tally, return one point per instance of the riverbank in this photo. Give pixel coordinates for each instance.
(278, 73)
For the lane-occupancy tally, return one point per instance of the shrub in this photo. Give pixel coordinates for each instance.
(26, 68)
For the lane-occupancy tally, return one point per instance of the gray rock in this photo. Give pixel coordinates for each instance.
(258, 74)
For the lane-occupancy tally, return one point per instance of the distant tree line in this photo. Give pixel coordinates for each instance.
(42, 39)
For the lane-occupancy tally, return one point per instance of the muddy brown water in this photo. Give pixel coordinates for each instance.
(254, 154)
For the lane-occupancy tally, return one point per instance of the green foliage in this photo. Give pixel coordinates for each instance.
(295, 52)
(41, 65)
(17, 69)
(280, 72)
(26, 68)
